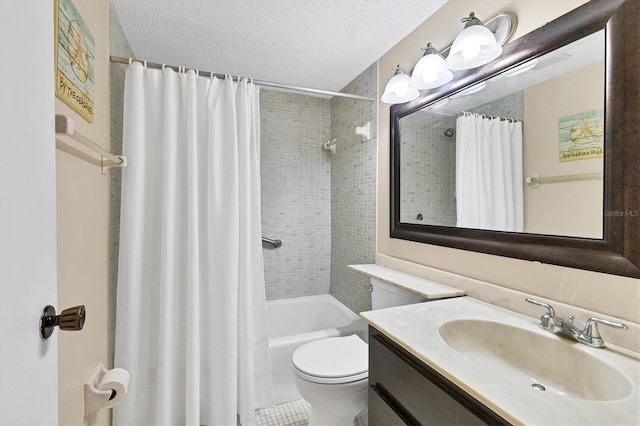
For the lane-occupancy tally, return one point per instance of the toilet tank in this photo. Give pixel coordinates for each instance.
(385, 295)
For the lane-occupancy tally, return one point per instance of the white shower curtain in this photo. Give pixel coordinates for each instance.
(489, 176)
(191, 314)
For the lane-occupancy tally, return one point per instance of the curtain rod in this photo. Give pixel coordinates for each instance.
(120, 60)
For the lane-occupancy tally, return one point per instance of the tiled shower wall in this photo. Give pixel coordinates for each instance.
(321, 205)
(119, 46)
(353, 191)
(296, 193)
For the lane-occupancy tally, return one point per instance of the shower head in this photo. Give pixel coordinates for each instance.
(449, 132)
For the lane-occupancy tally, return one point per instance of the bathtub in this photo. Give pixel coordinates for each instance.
(293, 322)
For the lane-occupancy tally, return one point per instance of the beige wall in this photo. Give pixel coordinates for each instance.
(608, 294)
(571, 208)
(83, 229)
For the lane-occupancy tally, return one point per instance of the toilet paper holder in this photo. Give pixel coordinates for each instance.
(96, 399)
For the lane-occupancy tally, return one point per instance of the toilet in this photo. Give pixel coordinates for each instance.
(332, 374)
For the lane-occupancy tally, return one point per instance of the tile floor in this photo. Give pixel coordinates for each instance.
(294, 413)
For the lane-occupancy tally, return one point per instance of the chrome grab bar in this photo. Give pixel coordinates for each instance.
(271, 243)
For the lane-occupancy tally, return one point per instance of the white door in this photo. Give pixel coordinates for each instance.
(28, 365)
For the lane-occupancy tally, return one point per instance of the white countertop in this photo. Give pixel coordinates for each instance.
(415, 328)
(427, 289)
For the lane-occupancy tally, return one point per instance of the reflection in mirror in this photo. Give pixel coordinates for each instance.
(466, 159)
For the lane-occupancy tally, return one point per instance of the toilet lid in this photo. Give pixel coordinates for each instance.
(344, 358)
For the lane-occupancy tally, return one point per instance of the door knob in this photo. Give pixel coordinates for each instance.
(71, 319)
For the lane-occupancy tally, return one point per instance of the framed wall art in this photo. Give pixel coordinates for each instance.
(74, 59)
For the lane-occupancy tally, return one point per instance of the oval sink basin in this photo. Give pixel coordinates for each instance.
(547, 362)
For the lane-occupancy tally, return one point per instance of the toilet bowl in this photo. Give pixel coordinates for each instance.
(332, 374)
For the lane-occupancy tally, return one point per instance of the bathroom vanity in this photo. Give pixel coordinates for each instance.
(405, 390)
(464, 361)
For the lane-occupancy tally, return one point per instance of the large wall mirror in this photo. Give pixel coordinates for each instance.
(535, 155)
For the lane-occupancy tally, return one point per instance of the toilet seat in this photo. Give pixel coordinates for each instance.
(333, 360)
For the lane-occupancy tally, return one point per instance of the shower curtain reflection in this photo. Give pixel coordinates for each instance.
(489, 176)
(191, 313)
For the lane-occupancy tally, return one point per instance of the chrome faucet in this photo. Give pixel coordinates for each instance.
(590, 336)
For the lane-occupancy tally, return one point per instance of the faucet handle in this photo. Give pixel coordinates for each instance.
(549, 308)
(592, 334)
(547, 320)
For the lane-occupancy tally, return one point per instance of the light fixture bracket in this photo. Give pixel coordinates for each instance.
(430, 50)
(503, 26)
(471, 20)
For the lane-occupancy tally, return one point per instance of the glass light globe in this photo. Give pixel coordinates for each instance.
(398, 90)
(474, 47)
(430, 72)
(471, 50)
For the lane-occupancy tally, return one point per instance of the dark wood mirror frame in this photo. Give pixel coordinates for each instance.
(619, 251)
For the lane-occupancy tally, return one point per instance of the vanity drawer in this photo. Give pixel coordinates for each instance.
(416, 393)
(380, 411)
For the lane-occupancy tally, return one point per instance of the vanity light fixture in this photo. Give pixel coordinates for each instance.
(398, 90)
(476, 45)
(430, 71)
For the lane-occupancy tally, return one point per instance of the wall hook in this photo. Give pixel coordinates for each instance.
(364, 131)
(330, 146)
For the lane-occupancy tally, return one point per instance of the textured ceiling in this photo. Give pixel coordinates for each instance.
(322, 44)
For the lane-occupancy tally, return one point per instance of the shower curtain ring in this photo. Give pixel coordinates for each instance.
(145, 64)
(130, 61)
